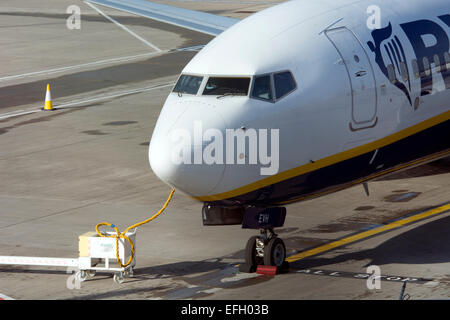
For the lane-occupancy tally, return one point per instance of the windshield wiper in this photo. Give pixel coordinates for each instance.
(232, 93)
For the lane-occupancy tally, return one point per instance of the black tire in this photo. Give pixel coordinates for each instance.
(250, 251)
(275, 253)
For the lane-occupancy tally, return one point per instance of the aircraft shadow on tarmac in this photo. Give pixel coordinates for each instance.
(181, 268)
(440, 166)
(426, 244)
(162, 271)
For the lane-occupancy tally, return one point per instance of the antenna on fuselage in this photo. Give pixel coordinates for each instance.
(366, 188)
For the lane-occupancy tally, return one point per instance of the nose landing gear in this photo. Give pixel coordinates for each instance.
(266, 249)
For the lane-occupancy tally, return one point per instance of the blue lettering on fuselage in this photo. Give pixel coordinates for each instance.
(415, 32)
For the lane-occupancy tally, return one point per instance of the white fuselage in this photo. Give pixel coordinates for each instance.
(342, 102)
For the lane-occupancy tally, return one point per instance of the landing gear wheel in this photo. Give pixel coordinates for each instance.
(252, 258)
(118, 277)
(274, 253)
(250, 251)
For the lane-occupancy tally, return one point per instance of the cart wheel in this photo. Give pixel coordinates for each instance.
(91, 273)
(81, 275)
(118, 277)
(130, 272)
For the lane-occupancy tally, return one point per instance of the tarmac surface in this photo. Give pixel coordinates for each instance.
(62, 172)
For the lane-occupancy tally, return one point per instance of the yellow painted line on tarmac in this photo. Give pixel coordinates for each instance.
(369, 233)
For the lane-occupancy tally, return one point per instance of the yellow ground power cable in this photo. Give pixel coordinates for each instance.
(123, 234)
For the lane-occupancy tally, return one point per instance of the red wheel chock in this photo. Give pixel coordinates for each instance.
(267, 270)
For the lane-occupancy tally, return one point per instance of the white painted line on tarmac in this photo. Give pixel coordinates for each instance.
(79, 66)
(3, 297)
(90, 100)
(15, 111)
(116, 95)
(15, 114)
(227, 1)
(151, 45)
(239, 276)
(97, 63)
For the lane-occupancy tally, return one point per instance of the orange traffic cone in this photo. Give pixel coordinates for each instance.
(48, 99)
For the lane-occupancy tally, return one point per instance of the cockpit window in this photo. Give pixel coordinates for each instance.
(188, 84)
(227, 86)
(262, 88)
(284, 84)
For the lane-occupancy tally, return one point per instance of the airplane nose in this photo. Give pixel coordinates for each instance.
(176, 153)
